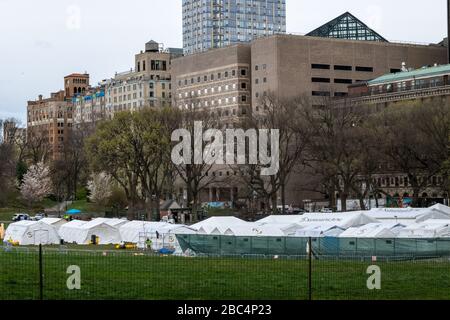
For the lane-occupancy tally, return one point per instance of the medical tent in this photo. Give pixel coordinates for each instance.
(81, 232)
(31, 233)
(380, 230)
(55, 222)
(162, 234)
(280, 219)
(318, 230)
(410, 215)
(428, 229)
(69, 231)
(217, 225)
(253, 230)
(343, 220)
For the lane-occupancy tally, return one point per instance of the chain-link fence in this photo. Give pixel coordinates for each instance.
(60, 273)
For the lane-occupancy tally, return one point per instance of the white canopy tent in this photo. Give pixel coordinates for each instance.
(81, 232)
(410, 215)
(32, 233)
(281, 219)
(217, 225)
(343, 220)
(254, 230)
(55, 222)
(428, 229)
(69, 231)
(374, 230)
(162, 234)
(318, 230)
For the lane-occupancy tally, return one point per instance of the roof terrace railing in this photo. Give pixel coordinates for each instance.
(406, 94)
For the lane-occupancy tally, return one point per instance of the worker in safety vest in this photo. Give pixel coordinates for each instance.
(148, 243)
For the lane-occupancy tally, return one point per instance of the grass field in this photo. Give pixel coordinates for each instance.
(124, 276)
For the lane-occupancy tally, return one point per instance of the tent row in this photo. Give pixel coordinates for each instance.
(430, 222)
(106, 231)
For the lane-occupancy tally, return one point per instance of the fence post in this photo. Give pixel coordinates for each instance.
(310, 269)
(41, 275)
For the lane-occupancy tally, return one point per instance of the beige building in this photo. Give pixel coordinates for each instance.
(147, 85)
(90, 107)
(219, 80)
(230, 80)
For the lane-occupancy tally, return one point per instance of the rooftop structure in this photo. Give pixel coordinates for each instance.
(347, 26)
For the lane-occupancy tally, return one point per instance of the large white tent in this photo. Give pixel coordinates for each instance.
(253, 230)
(31, 233)
(318, 230)
(374, 230)
(69, 231)
(343, 220)
(162, 234)
(217, 225)
(410, 215)
(428, 229)
(55, 222)
(81, 232)
(280, 219)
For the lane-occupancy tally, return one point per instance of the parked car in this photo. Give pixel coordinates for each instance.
(326, 210)
(38, 217)
(21, 216)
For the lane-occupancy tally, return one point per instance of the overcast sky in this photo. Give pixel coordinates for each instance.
(43, 40)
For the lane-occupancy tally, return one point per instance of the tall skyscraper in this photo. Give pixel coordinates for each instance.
(216, 23)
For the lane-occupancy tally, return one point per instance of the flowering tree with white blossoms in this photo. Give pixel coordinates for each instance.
(100, 188)
(37, 183)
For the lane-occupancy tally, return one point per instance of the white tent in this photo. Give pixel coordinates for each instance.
(81, 232)
(217, 225)
(428, 229)
(441, 208)
(55, 222)
(281, 219)
(32, 233)
(374, 230)
(162, 234)
(405, 215)
(289, 229)
(317, 230)
(69, 231)
(136, 231)
(253, 230)
(343, 220)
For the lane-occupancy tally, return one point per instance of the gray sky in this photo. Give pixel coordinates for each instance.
(41, 41)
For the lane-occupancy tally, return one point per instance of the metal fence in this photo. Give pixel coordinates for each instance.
(326, 246)
(55, 273)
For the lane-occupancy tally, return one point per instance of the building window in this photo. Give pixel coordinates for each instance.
(159, 65)
(321, 93)
(343, 68)
(346, 81)
(320, 66)
(322, 80)
(364, 69)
